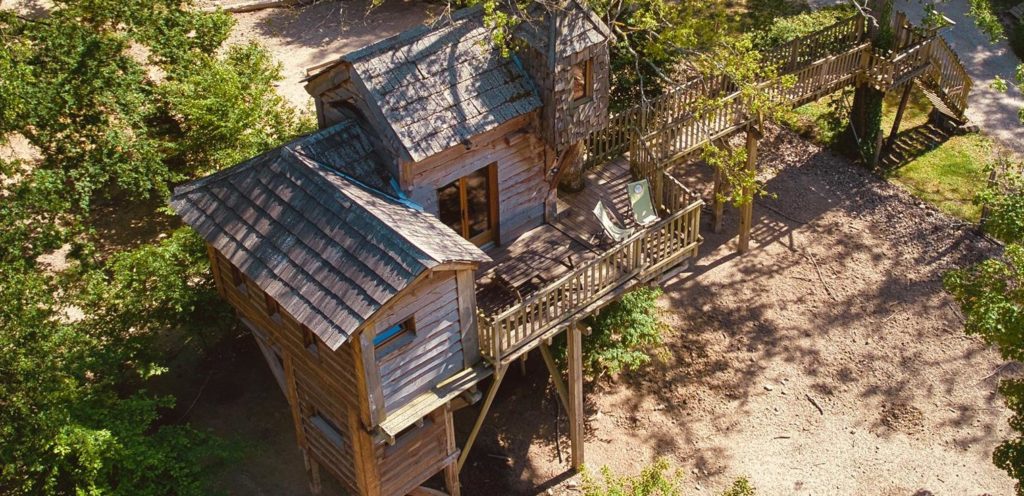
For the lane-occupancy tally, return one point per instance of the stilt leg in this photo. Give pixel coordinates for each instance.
(314, 475)
(556, 375)
(499, 374)
(575, 396)
(717, 205)
(747, 209)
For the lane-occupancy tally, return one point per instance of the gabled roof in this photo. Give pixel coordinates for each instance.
(303, 222)
(566, 27)
(439, 86)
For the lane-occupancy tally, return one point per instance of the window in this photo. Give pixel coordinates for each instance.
(309, 341)
(469, 205)
(273, 309)
(327, 427)
(582, 81)
(395, 336)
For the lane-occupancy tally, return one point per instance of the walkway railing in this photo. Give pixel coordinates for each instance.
(517, 329)
(832, 40)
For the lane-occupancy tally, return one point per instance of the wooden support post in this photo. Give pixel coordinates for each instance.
(718, 206)
(451, 471)
(575, 356)
(899, 115)
(499, 374)
(747, 209)
(314, 475)
(556, 375)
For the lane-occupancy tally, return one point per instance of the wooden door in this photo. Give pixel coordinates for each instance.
(469, 205)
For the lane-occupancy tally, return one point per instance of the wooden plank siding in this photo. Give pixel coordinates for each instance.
(436, 351)
(417, 454)
(322, 381)
(519, 158)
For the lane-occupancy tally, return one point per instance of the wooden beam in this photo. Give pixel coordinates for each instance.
(451, 471)
(899, 115)
(499, 374)
(313, 466)
(718, 206)
(575, 354)
(747, 209)
(556, 375)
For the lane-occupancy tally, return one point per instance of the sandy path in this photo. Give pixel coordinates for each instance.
(873, 339)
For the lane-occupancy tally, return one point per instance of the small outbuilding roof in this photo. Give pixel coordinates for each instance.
(439, 86)
(316, 225)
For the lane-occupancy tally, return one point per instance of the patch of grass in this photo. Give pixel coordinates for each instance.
(947, 175)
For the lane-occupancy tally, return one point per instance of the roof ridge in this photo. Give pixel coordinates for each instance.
(412, 34)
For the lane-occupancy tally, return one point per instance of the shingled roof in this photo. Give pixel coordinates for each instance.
(439, 86)
(567, 27)
(313, 224)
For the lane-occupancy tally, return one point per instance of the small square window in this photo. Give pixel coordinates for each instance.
(582, 81)
(310, 341)
(395, 336)
(327, 427)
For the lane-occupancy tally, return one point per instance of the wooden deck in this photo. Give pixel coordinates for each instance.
(564, 270)
(548, 252)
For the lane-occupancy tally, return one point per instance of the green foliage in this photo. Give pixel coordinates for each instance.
(70, 423)
(122, 99)
(787, 28)
(656, 479)
(1005, 204)
(740, 487)
(991, 296)
(227, 109)
(624, 334)
(986, 20)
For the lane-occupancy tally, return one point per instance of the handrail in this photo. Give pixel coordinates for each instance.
(506, 333)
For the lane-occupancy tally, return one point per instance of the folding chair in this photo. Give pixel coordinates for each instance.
(610, 223)
(640, 201)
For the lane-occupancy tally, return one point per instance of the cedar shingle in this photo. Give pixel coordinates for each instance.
(317, 226)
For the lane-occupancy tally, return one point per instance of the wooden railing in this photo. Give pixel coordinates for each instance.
(675, 125)
(821, 77)
(950, 76)
(832, 40)
(517, 329)
(892, 71)
(673, 105)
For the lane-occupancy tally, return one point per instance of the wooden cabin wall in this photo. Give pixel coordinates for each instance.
(321, 381)
(562, 122)
(435, 353)
(417, 454)
(522, 189)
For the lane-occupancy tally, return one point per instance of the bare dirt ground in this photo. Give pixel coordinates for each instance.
(303, 36)
(840, 300)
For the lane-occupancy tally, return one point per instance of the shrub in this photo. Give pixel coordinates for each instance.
(623, 334)
(658, 478)
(785, 29)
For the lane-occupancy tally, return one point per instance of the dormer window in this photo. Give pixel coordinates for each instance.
(582, 81)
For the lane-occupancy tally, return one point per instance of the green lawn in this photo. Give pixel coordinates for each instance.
(947, 173)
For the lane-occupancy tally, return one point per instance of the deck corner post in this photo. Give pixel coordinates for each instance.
(747, 209)
(575, 342)
(717, 205)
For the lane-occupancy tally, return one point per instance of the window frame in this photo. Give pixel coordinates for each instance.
(588, 82)
(403, 336)
(327, 427)
(490, 235)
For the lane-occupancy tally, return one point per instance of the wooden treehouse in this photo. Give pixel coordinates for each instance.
(418, 244)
